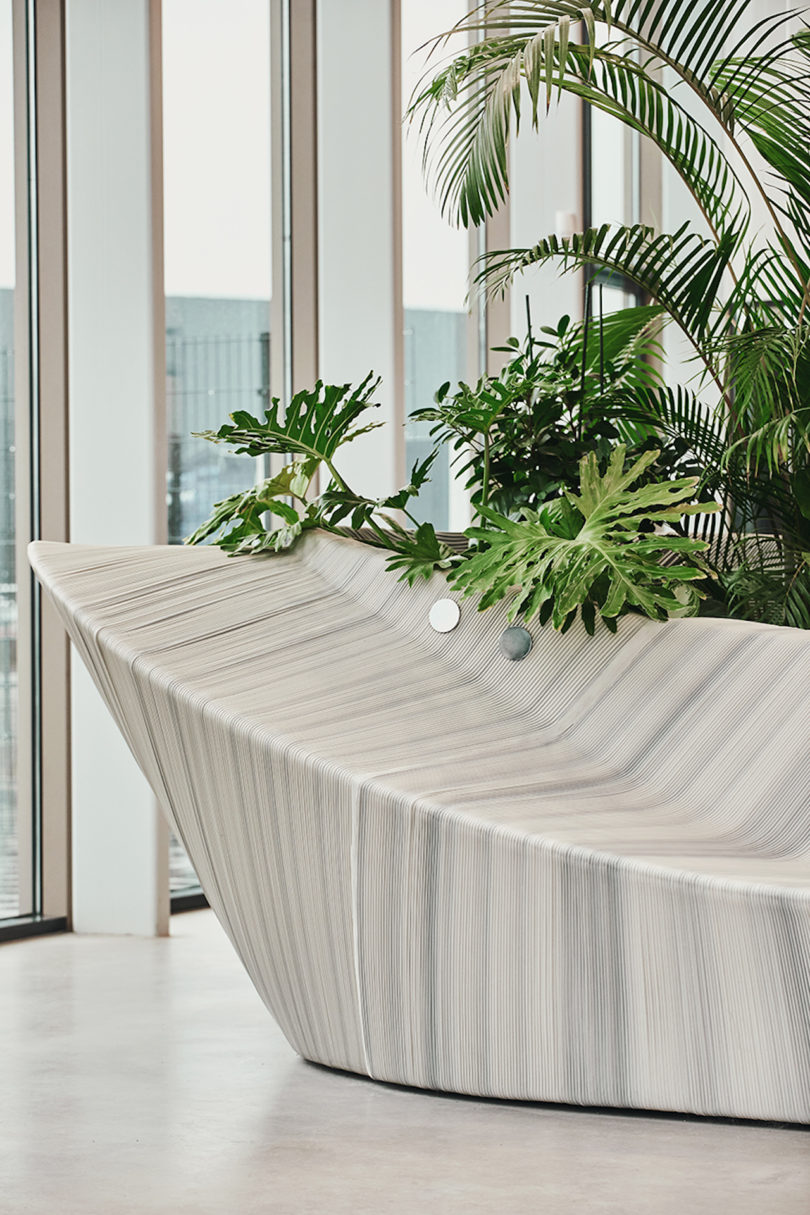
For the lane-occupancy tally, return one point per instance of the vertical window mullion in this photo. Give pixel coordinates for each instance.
(34, 482)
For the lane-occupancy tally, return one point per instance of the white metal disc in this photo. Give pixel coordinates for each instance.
(444, 615)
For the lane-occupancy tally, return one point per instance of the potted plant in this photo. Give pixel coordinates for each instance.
(564, 526)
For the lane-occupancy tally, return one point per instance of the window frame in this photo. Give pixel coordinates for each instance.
(43, 749)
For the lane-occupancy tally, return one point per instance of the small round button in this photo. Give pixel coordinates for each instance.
(444, 615)
(515, 643)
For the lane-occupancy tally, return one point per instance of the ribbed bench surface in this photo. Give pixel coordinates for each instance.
(582, 877)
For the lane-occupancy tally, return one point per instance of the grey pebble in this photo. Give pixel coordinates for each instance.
(515, 643)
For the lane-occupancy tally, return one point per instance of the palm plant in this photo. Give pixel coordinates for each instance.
(726, 100)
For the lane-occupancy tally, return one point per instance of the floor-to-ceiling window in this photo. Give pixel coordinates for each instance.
(34, 684)
(10, 825)
(217, 239)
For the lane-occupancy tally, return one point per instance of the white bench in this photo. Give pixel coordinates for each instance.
(583, 877)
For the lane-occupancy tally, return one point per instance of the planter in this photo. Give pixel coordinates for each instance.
(581, 877)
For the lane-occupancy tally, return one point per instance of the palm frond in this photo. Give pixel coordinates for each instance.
(466, 111)
(767, 293)
(770, 370)
(682, 272)
(629, 339)
(768, 583)
(771, 103)
(466, 108)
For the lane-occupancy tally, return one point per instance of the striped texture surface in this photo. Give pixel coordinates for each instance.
(583, 877)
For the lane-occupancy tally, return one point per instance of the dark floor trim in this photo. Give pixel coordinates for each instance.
(31, 926)
(195, 900)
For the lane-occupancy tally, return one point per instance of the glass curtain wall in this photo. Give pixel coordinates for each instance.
(11, 824)
(217, 235)
(436, 264)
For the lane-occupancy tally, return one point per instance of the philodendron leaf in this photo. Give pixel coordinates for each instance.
(314, 425)
(340, 503)
(470, 412)
(284, 537)
(245, 511)
(417, 553)
(591, 552)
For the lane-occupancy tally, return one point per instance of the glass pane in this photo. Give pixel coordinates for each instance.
(614, 190)
(9, 825)
(436, 260)
(216, 114)
(608, 175)
(612, 199)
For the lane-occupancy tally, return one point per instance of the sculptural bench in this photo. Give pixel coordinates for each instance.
(582, 877)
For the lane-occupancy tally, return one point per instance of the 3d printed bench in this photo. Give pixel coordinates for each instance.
(583, 877)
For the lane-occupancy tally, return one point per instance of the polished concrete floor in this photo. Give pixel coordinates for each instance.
(144, 1076)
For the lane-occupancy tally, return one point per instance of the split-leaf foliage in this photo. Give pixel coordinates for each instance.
(315, 425)
(596, 552)
(724, 96)
(527, 442)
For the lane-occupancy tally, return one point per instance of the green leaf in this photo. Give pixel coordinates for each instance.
(339, 502)
(769, 582)
(592, 550)
(801, 489)
(245, 510)
(315, 424)
(682, 272)
(418, 553)
(466, 132)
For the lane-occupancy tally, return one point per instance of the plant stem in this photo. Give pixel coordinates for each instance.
(485, 479)
(588, 289)
(337, 477)
(601, 344)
